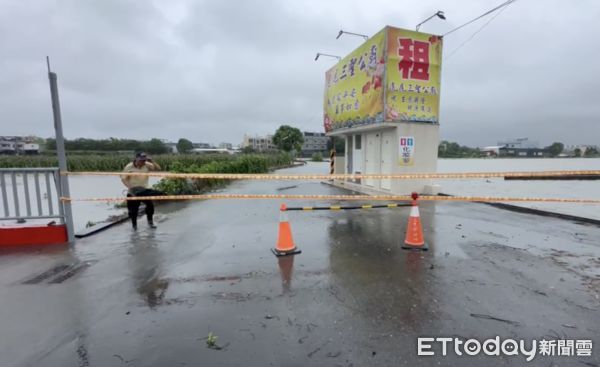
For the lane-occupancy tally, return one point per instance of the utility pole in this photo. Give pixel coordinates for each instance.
(63, 180)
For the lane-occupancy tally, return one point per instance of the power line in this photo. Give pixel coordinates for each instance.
(508, 2)
(475, 33)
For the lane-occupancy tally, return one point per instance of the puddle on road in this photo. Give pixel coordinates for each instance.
(154, 292)
(218, 278)
(240, 277)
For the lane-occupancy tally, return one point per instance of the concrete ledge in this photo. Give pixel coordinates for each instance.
(543, 213)
(426, 190)
(432, 189)
(355, 187)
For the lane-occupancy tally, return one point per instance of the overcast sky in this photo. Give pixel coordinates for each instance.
(212, 70)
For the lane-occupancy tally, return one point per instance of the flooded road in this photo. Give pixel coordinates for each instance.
(352, 298)
(495, 187)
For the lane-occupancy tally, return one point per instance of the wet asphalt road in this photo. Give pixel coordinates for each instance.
(352, 298)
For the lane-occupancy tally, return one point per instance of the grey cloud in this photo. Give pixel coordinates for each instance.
(214, 70)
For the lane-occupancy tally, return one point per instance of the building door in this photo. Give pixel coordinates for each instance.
(349, 154)
(373, 157)
(387, 139)
(357, 155)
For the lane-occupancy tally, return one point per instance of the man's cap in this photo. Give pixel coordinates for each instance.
(141, 155)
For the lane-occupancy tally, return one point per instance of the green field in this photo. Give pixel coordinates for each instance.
(245, 163)
(180, 163)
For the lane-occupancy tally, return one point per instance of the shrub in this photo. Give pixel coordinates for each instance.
(242, 164)
(317, 157)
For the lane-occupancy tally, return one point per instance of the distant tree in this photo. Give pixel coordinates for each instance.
(50, 144)
(184, 146)
(288, 138)
(448, 149)
(154, 146)
(338, 143)
(555, 149)
(591, 152)
(577, 152)
(107, 145)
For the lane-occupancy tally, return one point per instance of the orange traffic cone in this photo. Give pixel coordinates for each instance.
(285, 242)
(414, 231)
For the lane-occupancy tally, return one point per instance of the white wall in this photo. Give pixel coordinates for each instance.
(427, 137)
(377, 157)
(339, 164)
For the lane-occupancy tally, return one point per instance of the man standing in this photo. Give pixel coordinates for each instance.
(138, 186)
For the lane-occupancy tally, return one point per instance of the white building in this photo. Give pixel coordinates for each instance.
(383, 100)
(18, 145)
(202, 146)
(314, 143)
(390, 148)
(519, 143)
(492, 151)
(214, 150)
(7, 146)
(259, 143)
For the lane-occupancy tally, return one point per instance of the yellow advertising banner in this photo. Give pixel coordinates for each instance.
(413, 73)
(394, 76)
(354, 87)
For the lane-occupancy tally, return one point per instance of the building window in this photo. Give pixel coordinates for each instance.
(357, 142)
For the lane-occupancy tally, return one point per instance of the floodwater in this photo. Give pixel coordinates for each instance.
(352, 298)
(573, 189)
(96, 187)
(99, 186)
(103, 186)
(80, 187)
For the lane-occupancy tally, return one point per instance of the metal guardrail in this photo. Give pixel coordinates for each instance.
(43, 203)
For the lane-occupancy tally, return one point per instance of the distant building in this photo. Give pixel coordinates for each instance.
(259, 143)
(520, 143)
(7, 146)
(492, 151)
(226, 146)
(313, 143)
(172, 146)
(18, 145)
(214, 150)
(572, 150)
(522, 152)
(518, 148)
(202, 145)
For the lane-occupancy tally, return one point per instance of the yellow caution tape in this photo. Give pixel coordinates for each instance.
(340, 197)
(403, 176)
